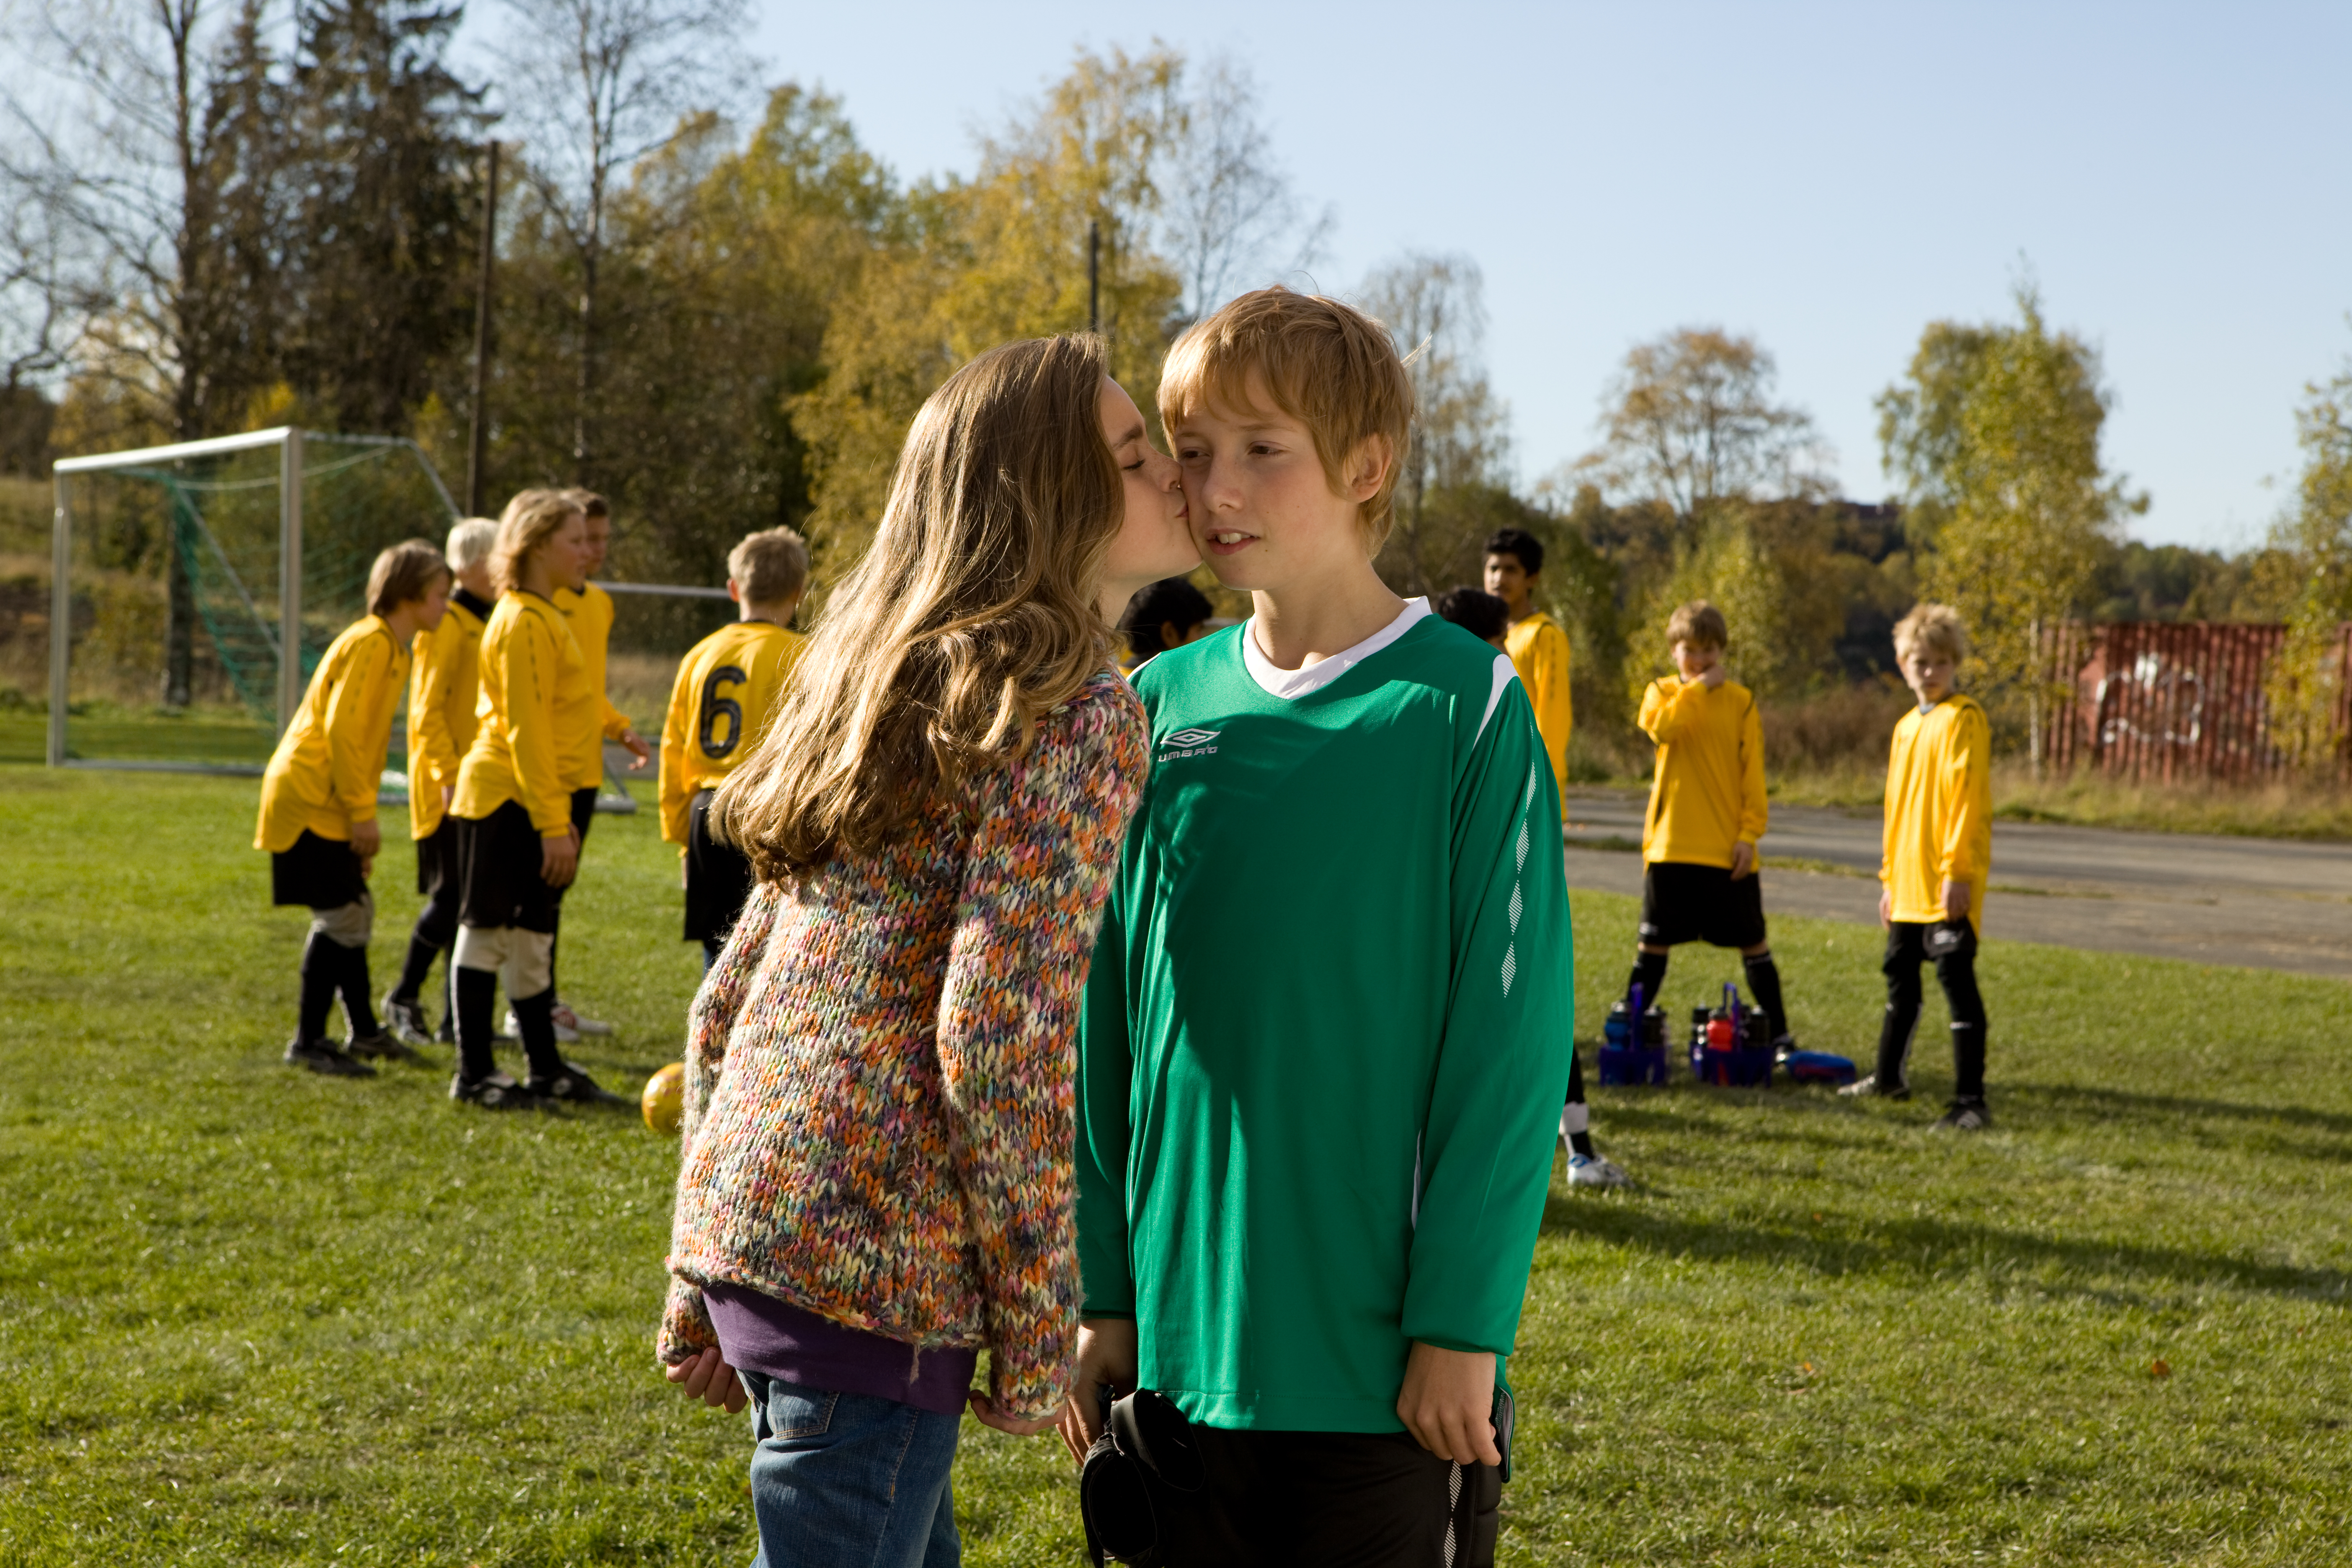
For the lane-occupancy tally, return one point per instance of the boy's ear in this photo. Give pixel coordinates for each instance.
(1368, 467)
(734, 590)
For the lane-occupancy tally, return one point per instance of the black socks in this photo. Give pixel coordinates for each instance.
(535, 1019)
(1650, 974)
(359, 1008)
(1764, 985)
(477, 993)
(1580, 1139)
(321, 973)
(1968, 1061)
(413, 969)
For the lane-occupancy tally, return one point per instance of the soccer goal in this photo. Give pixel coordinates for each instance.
(194, 587)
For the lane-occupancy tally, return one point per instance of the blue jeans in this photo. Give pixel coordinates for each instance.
(844, 1480)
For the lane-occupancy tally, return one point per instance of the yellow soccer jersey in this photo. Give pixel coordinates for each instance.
(441, 697)
(1539, 652)
(1938, 810)
(1708, 795)
(324, 773)
(589, 615)
(727, 691)
(535, 692)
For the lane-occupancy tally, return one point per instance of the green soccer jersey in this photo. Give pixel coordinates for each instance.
(1326, 1033)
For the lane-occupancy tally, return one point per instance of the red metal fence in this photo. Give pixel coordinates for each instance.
(2156, 702)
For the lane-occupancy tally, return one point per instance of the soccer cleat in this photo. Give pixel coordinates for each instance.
(565, 1018)
(1783, 1048)
(565, 1034)
(379, 1047)
(447, 1034)
(575, 1086)
(405, 1017)
(1964, 1116)
(1867, 1088)
(1595, 1171)
(496, 1092)
(325, 1056)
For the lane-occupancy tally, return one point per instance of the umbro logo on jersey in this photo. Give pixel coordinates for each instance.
(1186, 743)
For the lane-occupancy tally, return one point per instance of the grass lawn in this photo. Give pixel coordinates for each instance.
(249, 1315)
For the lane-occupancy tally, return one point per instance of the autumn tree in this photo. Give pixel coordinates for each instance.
(2306, 680)
(1229, 218)
(1994, 434)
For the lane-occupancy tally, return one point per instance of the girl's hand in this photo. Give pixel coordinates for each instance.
(708, 1378)
(986, 1408)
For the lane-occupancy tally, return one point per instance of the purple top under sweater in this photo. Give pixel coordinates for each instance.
(759, 1332)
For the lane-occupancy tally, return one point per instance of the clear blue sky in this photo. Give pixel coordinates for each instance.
(1828, 178)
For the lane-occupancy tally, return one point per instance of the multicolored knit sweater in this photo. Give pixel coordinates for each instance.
(880, 1070)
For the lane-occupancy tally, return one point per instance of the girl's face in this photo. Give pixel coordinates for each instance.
(1155, 541)
(566, 553)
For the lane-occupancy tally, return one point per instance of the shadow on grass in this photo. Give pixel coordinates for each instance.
(2078, 1099)
(1925, 1247)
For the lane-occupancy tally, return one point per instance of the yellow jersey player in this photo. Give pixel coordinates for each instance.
(1937, 857)
(441, 695)
(1707, 813)
(726, 692)
(1537, 646)
(589, 611)
(317, 803)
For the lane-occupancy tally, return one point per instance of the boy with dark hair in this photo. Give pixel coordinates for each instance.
(726, 692)
(1537, 646)
(1329, 1010)
(588, 610)
(318, 803)
(1482, 616)
(1169, 614)
(1938, 858)
(1706, 811)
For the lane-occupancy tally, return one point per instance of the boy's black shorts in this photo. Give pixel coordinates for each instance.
(322, 873)
(1301, 1499)
(1684, 902)
(718, 878)
(499, 858)
(437, 858)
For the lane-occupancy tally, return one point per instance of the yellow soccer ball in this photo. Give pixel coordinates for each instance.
(665, 1098)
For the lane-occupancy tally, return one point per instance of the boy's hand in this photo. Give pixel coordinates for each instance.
(559, 858)
(1955, 900)
(986, 1408)
(708, 1378)
(447, 795)
(1885, 905)
(367, 837)
(1713, 676)
(637, 746)
(1743, 860)
(1106, 1357)
(1448, 1403)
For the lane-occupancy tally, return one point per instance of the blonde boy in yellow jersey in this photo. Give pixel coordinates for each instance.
(726, 692)
(1936, 859)
(317, 803)
(588, 610)
(442, 691)
(1707, 813)
(1537, 646)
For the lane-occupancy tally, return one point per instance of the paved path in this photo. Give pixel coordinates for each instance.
(2265, 903)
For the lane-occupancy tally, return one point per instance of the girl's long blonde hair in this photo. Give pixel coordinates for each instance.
(972, 614)
(531, 519)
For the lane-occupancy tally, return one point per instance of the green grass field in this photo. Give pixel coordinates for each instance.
(248, 1315)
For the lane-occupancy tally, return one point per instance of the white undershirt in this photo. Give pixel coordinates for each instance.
(1312, 678)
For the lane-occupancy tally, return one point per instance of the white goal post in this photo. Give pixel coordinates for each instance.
(289, 440)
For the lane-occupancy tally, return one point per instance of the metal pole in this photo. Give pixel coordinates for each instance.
(289, 578)
(478, 459)
(1094, 276)
(60, 617)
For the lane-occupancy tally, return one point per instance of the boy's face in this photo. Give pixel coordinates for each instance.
(1264, 513)
(1929, 674)
(1693, 660)
(597, 540)
(1508, 581)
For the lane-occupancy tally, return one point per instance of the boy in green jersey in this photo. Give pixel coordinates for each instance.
(1327, 1027)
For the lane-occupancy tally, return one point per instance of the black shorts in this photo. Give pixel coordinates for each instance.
(437, 858)
(718, 878)
(1683, 902)
(322, 873)
(1379, 1499)
(499, 858)
(583, 811)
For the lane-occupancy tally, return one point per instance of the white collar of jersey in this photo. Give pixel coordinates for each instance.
(1312, 678)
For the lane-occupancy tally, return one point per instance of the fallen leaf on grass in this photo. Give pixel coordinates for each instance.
(2160, 1368)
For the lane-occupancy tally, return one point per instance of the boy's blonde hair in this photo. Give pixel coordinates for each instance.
(471, 540)
(1327, 366)
(1699, 624)
(770, 566)
(526, 524)
(1936, 628)
(403, 574)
